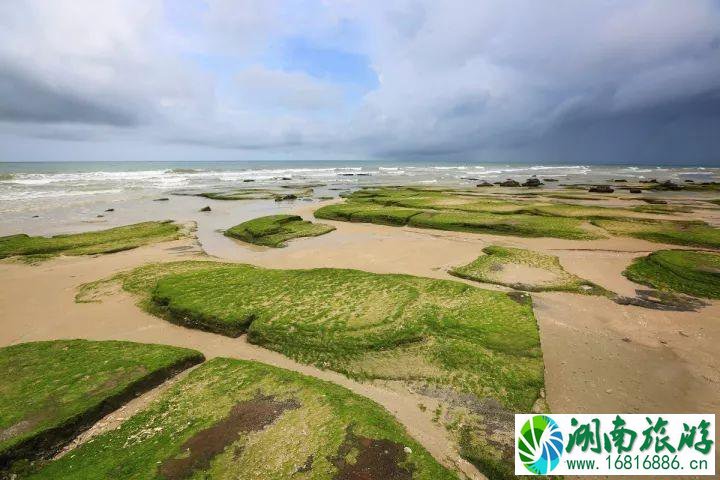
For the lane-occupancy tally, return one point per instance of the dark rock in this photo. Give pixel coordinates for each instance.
(36, 216)
(100, 216)
(472, 179)
(669, 185)
(247, 180)
(509, 183)
(110, 210)
(654, 180)
(532, 182)
(163, 199)
(289, 196)
(635, 190)
(286, 178)
(601, 189)
(206, 209)
(484, 184)
(550, 179)
(689, 181)
(619, 180)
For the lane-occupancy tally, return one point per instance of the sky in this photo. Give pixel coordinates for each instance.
(561, 81)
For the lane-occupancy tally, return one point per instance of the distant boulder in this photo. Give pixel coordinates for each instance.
(248, 180)
(110, 210)
(163, 199)
(635, 190)
(601, 189)
(509, 183)
(532, 182)
(550, 179)
(289, 196)
(619, 180)
(669, 185)
(485, 183)
(206, 209)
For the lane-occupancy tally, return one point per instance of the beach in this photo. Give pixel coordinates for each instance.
(599, 356)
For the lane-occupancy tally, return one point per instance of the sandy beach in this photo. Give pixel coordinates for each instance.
(599, 356)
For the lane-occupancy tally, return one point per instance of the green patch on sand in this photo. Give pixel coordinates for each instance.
(663, 209)
(103, 241)
(275, 230)
(427, 334)
(254, 194)
(468, 211)
(681, 271)
(365, 325)
(239, 419)
(474, 222)
(51, 391)
(691, 233)
(524, 270)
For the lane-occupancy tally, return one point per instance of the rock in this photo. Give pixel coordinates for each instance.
(407, 450)
(653, 180)
(286, 178)
(110, 210)
(619, 180)
(100, 216)
(689, 181)
(669, 185)
(532, 182)
(36, 216)
(289, 196)
(206, 209)
(626, 339)
(163, 199)
(472, 179)
(550, 179)
(635, 190)
(509, 183)
(247, 180)
(683, 333)
(485, 183)
(609, 390)
(601, 189)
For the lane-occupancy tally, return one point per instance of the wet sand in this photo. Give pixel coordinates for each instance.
(600, 357)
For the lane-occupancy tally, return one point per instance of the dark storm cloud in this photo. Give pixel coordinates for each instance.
(27, 99)
(498, 80)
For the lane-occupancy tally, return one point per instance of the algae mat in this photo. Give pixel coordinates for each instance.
(245, 420)
(50, 391)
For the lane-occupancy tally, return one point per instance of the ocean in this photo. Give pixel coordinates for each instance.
(30, 186)
(43, 198)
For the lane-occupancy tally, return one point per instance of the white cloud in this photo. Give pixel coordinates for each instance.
(266, 88)
(455, 76)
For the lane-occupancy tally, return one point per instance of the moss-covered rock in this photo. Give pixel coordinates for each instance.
(231, 418)
(51, 391)
(103, 241)
(551, 276)
(682, 271)
(275, 230)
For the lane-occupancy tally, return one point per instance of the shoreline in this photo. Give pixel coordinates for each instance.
(599, 356)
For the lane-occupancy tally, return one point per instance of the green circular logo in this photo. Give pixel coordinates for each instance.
(540, 444)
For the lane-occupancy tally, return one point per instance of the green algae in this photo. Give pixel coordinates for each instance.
(275, 230)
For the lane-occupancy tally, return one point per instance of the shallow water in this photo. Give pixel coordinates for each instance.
(64, 197)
